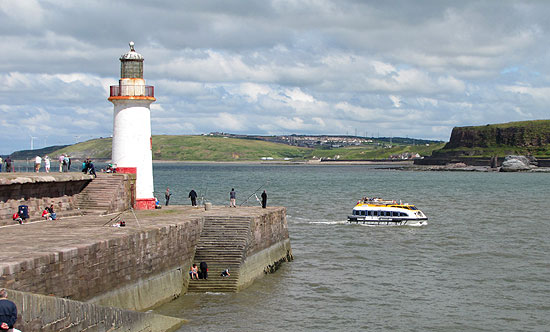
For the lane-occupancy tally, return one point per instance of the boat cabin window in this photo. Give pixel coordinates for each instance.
(413, 208)
(363, 212)
(403, 214)
(395, 214)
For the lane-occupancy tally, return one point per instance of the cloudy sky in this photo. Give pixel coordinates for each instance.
(381, 68)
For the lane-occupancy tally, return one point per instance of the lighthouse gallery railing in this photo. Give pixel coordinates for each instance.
(132, 90)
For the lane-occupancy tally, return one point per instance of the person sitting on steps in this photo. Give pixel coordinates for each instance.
(194, 272)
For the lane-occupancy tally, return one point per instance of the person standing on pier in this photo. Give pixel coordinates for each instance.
(61, 159)
(1, 162)
(264, 199)
(232, 198)
(167, 195)
(47, 163)
(37, 162)
(8, 312)
(8, 164)
(193, 196)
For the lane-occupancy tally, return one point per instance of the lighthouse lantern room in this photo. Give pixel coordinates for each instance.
(132, 143)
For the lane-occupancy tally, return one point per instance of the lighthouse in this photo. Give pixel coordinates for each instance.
(132, 142)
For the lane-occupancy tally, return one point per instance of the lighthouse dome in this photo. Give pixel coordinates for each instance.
(132, 54)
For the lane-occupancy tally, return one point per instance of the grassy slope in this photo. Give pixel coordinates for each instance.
(374, 151)
(539, 124)
(95, 148)
(208, 148)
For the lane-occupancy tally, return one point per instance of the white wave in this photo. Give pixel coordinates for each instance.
(214, 293)
(328, 222)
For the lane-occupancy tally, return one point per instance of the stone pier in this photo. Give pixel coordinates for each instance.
(91, 264)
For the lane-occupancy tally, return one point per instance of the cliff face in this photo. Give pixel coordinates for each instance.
(515, 134)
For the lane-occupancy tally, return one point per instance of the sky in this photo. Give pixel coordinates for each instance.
(273, 67)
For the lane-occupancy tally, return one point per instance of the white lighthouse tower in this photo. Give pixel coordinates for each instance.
(132, 142)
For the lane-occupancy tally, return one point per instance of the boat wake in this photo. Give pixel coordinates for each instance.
(329, 222)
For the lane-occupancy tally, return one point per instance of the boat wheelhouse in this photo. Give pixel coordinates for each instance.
(379, 212)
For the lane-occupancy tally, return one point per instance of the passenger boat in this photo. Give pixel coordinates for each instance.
(379, 212)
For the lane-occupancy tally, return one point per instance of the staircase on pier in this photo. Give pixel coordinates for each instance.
(101, 194)
(222, 245)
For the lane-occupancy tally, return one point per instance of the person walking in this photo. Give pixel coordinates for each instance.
(264, 199)
(232, 198)
(167, 195)
(47, 163)
(8, 312)
(193, 196)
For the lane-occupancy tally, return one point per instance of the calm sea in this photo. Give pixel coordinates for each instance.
(482, 263)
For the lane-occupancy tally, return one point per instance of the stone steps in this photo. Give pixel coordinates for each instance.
(100, 193)
(222, 245)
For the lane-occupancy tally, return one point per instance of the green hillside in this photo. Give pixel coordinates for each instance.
(99, 148)
(208, 148)
(217, 148)
(524, 137)
(374, 151)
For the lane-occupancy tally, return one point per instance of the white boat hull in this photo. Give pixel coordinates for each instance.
(388, 221)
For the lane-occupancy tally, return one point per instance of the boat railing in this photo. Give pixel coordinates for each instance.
(382, 202)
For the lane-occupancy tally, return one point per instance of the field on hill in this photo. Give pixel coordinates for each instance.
(207, 148)
(374, 151)
(216, 148)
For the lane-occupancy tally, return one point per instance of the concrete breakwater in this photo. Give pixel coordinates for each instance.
(136, 267)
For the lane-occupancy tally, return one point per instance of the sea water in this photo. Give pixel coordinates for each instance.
(482, 263)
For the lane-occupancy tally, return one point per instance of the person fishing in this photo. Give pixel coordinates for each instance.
(264, 200)
(193, 196)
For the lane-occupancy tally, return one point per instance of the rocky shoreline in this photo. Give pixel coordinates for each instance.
(510, 164)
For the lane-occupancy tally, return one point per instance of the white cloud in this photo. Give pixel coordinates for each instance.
(276, 66)
(23, 12)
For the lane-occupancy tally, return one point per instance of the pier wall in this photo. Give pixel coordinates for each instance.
(52, 314)
(37, 192)
(136, 271)
(268, 247)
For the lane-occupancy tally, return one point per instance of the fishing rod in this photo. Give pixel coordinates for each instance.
(203, 196)
(254, 193)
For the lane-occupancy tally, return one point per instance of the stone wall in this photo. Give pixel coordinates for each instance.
(38, 191)
(267, 230)
(268, 247)
(117, 272)
(53, 314)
